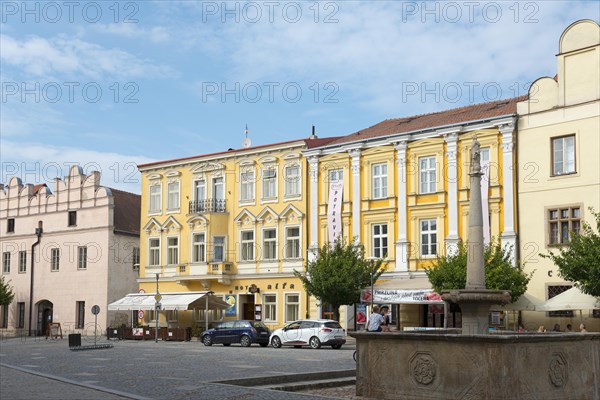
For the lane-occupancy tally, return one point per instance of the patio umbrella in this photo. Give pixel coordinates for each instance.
(526, 302)
(572, 299)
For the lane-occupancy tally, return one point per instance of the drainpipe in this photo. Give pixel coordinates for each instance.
(38, 233)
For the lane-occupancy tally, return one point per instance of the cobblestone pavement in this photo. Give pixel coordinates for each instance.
(164, 370)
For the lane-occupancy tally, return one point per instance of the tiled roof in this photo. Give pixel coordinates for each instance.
(126, 211)
(309, 143)
(442, 118)
(36, 188)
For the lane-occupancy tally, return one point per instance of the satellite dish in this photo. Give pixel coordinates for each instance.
(246, 143)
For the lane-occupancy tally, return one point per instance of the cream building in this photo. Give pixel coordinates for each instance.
(559, 165)
(73, 247)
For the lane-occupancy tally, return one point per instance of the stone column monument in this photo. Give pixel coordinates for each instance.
(475, 300)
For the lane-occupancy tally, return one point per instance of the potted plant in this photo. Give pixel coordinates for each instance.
(196, 331)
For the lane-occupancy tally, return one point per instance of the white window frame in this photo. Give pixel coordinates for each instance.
(173, 195)
(152, 249)
(172, 251)
(269, 305)
(82, 258)
(287, 242)
(213, 259)
(22, 262)
(293, 183)
(247, 247)
(427, 175)
(6, 262)
(201, 245)
(195, 188)
(567, 155)
(55, 259)
(155, 198)
(431, 245)
(379, 181)
(269, 182)
(247, 184)
(267, 245)
(214, 187)
(296, 304)
(381, 249)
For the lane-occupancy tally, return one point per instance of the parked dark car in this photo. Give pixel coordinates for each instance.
(242, 331)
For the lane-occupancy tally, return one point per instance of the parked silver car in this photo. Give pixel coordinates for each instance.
(309, 332)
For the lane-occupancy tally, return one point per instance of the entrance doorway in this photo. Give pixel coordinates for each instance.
(247, 306)
(45, 316)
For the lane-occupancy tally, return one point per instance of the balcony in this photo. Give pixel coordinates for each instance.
(207, 205)
(221, 268)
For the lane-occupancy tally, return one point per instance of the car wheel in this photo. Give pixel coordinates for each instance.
(245, 341)
(276, 342)
(207, 340)
(264, 344)
(226, 344)
(314, 342)
(336, 346)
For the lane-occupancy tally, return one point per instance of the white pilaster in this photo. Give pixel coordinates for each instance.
(402, 241)
(508, 236)
(452, 239)
(356, 200)
(313, 233)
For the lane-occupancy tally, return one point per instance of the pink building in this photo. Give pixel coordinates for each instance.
(66, 250)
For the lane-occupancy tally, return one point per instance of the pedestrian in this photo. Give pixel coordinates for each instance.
(569, 328)
(556, 328)
(582, 328)
(384, 310)
(521, 329)
(375, 321)
(541, 329)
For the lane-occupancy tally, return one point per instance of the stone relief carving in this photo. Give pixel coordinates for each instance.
(558, 370)
(423, 369)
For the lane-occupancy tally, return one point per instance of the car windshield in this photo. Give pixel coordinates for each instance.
(333, 325)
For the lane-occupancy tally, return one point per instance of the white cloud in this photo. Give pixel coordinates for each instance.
(157, 34)
(36, 162)
(72, 58)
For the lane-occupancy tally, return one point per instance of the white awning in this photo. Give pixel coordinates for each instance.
(402, 291)
(169, 301)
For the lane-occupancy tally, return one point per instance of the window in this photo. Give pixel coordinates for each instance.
(82, 257)
(269, 244)
(173, 196)
(172, 315)
(22, 262)
(80, 321)
(247, 246)
(72, 218)
(561, 222)
(380, 240)
(155, 199)
(247, 185)
(219, 248)
(269, 183)
(55, 259)
(428, 237)
(198, 247)
(292, 307)
(199, 190)
(10, 225)
(563, 155)
(4, 321)
(379, 176)
(427, 174)
(292, 181)
(218, 192)
(172, 251)
(154, 252)
(6, 262)
(292, 242)
(135, 258)
(270, 307)
(555, 290)
(336, 175)
(21, 315)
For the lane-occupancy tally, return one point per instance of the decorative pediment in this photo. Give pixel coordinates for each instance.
(171, 225)
(154, 177)
(245, 218)
(291, 214)
(291, 156)
(246, 162)
(197, 222)
(207, 167)
(268, 160)
(172, 173)
(153, 227)
(267, 216)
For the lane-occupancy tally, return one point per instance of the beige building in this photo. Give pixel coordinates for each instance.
(559, 165)
(66, 250)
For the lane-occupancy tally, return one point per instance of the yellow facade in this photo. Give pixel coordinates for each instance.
(233, 223)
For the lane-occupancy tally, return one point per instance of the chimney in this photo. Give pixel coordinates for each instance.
(313, 136)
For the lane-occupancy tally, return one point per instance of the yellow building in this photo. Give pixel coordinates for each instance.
(233, 223)
(559, 141)
(406, 192)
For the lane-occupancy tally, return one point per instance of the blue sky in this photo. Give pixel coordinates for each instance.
(112, 84)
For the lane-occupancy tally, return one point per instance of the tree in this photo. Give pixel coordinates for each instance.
(339, 273)
(449, 272)
(579, 262)
(6, 293)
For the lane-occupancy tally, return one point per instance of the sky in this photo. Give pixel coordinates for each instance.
(112, 84)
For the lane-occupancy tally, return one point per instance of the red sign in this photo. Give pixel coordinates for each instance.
(141, 314)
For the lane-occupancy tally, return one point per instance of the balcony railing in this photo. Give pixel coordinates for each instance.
(207, 205)
(221, 268)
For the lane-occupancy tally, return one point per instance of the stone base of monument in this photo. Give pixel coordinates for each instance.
(494, 366)
(475, 307)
